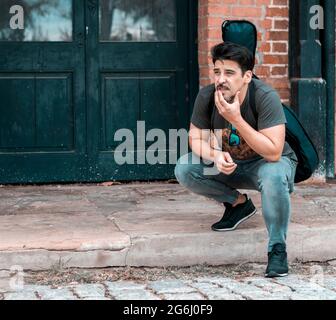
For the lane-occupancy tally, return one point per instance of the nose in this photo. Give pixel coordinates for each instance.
(222, 78)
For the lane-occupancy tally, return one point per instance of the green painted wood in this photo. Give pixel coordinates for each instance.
(308, 87)
(43, 111)
(61, 103)
(17, 121)
(329, 72)
(135, 81)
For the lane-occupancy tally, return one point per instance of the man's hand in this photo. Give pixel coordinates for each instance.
(224, 163)
(229, 111)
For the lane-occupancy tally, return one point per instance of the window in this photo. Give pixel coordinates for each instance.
(137, 20)
(36, 20)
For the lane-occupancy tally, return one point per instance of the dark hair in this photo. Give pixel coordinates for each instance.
(235, 52)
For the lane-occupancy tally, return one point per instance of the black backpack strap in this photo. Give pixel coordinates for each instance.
(211, 109)
(252, 100)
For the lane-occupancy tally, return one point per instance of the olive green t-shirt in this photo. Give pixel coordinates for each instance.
(269, 113)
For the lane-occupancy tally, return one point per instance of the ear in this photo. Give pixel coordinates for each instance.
(248, 76)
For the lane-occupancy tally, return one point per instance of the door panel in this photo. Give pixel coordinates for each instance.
(42, 94)
(43, 103)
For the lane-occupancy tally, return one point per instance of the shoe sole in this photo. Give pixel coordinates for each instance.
(274, 274)
(237, 224)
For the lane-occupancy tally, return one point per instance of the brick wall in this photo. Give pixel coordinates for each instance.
(271, 19)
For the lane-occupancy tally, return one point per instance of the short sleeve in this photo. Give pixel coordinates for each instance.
(270, 110)
(201, 116)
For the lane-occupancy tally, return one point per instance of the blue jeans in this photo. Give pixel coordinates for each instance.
(275, 181)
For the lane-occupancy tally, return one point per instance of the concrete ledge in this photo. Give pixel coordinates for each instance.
(239, 246)
(153, 224)
(57, 260)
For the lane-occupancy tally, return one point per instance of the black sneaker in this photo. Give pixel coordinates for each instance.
(233, 216)
(277, 262)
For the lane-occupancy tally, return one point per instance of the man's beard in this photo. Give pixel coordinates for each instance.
(230, 99)
(221, 87)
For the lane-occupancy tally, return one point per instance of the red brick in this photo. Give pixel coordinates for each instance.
(202, 11)
(263, 2)
(238, 12)
(203, 58)
(203, 3)
(262, 71)
(215, 22)
(277, 35)
(247, 2)
(218, 10)
(276, 12)
(280, 2)
(275, 59)
(279, 83)
(279, 47)
(281, 24)
(214, 33)
(204, 71)
(266, 24)
(210, 2)
(277, 71)
(265, 47)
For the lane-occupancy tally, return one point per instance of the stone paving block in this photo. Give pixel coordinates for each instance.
(277, 290)
(48, 293)
(213, 291)
(306, 287)
(89, 290)
(133, 294)
(183, 296)
(219, 295)
(329, 283)
(20, 295)
(170, 286)
(305, 296)
(245, 290)
(120, 285)
(95, 298)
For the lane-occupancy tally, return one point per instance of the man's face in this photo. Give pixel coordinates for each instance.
(229, 78)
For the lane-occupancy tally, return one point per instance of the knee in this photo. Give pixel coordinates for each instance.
(180, 172)
(272, 179)
(185, 171)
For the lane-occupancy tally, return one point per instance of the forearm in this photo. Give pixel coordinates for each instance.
(203, 149)
(257, 141)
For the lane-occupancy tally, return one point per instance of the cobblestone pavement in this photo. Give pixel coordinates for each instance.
(314, 282)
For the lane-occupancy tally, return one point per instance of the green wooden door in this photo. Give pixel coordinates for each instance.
(137, 80)
(42, 92)
(79, 72)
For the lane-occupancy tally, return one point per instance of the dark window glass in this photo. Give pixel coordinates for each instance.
(137, 20)
(36, 20)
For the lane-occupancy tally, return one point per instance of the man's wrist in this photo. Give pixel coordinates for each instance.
(237, 121)
(216, 152)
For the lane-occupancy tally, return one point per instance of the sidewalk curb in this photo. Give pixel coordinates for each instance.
(239, 246)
